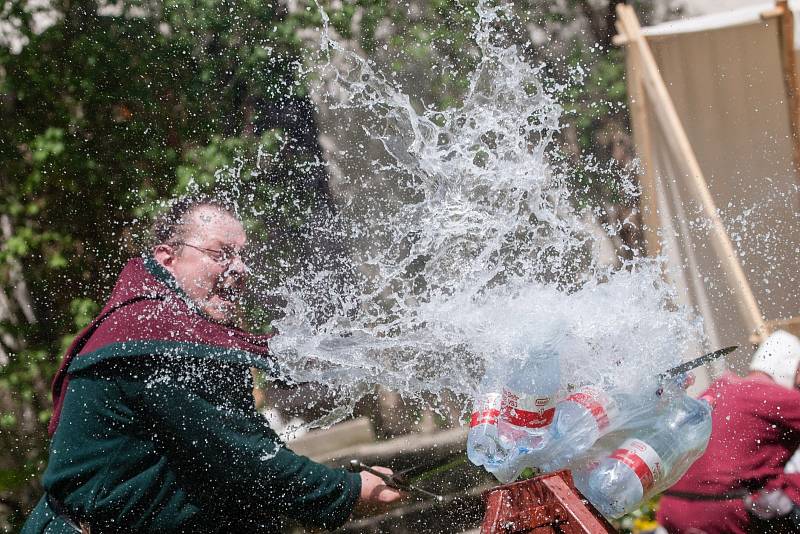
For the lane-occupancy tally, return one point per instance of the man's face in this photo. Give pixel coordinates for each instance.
(213, 280)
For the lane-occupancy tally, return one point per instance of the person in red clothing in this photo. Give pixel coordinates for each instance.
(739, 484)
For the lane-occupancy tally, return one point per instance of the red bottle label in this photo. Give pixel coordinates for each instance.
(527, 411)
(486, 411)
(597, 402)
(642, 459)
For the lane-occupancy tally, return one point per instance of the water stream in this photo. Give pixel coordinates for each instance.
(478, 253)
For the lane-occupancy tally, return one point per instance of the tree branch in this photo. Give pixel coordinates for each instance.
(594, 21)
(20, 288)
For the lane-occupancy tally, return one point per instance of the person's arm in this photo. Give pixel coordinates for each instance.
(235, 458)
(786, 483)
(782, 408)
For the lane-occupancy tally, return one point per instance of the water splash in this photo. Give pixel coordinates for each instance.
(466, 248)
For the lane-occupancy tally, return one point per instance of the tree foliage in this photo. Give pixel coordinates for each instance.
(103, 114)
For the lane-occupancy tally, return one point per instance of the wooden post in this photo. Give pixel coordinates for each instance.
(675, 136)
(790, 325)
(641, 134)
(790, 77)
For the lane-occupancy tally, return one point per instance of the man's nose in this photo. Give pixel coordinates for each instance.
(238, 266)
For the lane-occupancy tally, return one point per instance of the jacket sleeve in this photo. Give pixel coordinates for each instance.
(782, 408)
(789, 483)
(232, 456)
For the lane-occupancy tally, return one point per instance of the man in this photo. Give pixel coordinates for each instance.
(154, 427)
(739, 484)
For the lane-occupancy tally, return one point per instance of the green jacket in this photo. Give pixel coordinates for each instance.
(170, 441)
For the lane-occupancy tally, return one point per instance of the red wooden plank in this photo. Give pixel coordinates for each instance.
(542, 505)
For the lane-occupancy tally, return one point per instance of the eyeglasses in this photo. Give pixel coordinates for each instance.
(224, 256)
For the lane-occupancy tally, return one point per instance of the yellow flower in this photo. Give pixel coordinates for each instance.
(643, 524)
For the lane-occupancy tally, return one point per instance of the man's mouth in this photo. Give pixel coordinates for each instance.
(230, 291)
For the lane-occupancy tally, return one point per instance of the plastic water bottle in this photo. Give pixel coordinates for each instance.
(650, 460)
(526, 412)
(580, 420)
(528, 401)
(483, 442)
(518, 457)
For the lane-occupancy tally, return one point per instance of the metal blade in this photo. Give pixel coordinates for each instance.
(392, 482)
(697, 362)
(426, 470)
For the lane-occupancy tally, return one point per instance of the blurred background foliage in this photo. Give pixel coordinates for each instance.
(108, 107)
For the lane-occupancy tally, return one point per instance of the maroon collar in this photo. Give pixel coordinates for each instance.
(149, 310)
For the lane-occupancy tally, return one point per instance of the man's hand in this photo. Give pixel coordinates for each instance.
(374, 491)
(769, 504)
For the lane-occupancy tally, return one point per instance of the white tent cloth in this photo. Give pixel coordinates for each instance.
(725, 78)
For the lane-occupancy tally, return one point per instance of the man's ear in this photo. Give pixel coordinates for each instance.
(165, 255)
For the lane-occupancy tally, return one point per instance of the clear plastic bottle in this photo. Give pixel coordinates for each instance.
(580, 420)
(592, 412)
(517, 459)
(483, 442)
(527, 410)
(650, 460)
(528, 402)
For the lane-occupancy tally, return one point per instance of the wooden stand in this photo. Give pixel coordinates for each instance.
(548, 504)
(651, 102)
(790, 325)
(648, 84)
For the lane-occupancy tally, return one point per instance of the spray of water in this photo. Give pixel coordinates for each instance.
(477, 255)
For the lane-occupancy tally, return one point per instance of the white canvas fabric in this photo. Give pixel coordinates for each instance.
(726, 82)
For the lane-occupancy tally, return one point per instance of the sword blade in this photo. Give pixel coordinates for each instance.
(697, 362)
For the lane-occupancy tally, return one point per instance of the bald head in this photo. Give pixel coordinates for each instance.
(202, 251)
